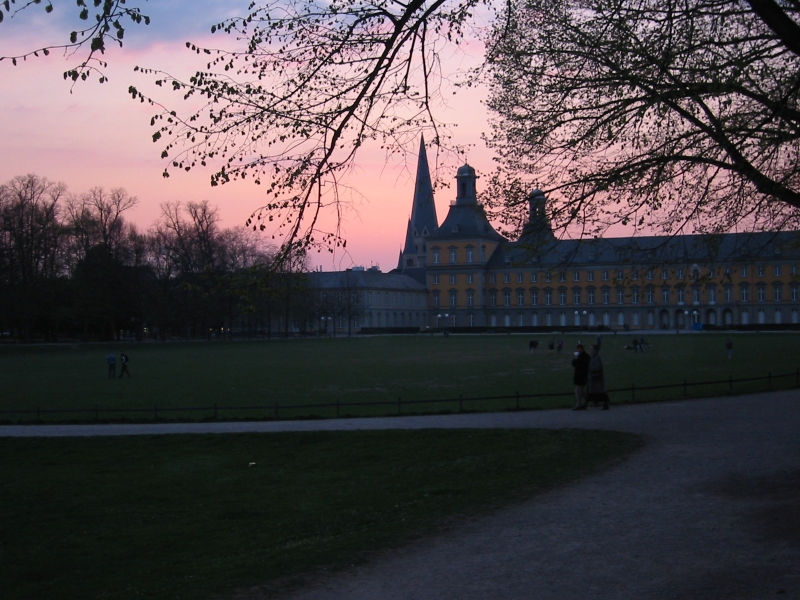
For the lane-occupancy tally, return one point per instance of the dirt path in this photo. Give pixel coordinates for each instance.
(710, 508)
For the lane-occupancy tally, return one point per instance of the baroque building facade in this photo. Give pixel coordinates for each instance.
(464, 274)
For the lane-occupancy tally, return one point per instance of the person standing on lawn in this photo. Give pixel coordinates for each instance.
(111, 360)
(580, 376)
(123, 359)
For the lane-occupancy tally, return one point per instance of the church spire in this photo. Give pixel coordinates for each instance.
(423, 220)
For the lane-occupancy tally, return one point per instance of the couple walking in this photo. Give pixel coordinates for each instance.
(589, 378)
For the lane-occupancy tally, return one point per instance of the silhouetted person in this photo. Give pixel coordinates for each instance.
(123, 359)
(533, 345)
(580, 376)
(112, 365)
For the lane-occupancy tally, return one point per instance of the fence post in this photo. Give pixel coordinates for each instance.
(633, 392)
(517, 399)
(399, 407)
(337, 408)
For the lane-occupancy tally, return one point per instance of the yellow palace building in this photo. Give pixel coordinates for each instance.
(475, 278)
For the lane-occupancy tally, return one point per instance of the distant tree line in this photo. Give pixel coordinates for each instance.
(72, 266)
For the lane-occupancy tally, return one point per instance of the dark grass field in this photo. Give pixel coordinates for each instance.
(303, 372)
(206, 516)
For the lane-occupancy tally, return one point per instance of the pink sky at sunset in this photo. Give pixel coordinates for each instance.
(98, 136)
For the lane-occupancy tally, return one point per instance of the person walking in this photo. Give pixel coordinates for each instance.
(580, 376)
(729, 348)
(532, 345)
(596, 384)
(559, 346)
(111, 360)
(123, 359)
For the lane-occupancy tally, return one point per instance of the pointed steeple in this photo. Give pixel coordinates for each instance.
(423, 219)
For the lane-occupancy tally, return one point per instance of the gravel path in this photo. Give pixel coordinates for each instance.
(710, 508)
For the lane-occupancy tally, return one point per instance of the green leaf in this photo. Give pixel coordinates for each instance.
(73, 37)
(48, 8)
(84, 14)
(156, 136)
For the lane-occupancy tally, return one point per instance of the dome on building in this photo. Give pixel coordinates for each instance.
(465, 171)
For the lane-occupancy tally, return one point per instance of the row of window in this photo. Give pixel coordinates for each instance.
(547, 297)
(393, 299)
(619, 274)
(680, 319)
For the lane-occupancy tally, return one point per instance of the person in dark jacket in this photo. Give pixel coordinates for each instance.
(580, 376)
(596, 385)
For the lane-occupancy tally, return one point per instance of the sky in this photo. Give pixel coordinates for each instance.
(93, 134)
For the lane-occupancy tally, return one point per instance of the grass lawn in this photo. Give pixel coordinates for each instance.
(317, 371)
(192, 517)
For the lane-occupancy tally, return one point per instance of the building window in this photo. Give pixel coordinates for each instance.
(452, 256)
(620, 296)
(728, 294)
(605, 275)
(620, 274)
(453, 279)
(664, 274)
(744, 294)
(576, 276)
(665, 296)
(436, 257)
(470, 320)
(506, 298)
(696, 296)
(634, 296)
(650, 273)
(777, 293)
(590, 297)
(548, 298)
(793, 270)
(762, 293)
(562, 297)
(743, 272)
(576, 297)
(794, 293)
(606, 297)
(634, 274)
(436, 299)
(680, 273)
(470, 255)
(589, 275)
(470, 298)
(435, 280)
(562, 276)
(506, 278)
(680, 295)
(520, 277)
(470, 278)
(492, 278)
(760, 270)
(776, 270)
(493, 298)
(453, 299)
(534, 298)
(548, 277)
(712, 295)
(650, 295)
(520, 298)
(534, 277)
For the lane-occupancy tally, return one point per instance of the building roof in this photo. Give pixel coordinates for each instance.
(654, 250)
(366, 279)
(423, 219)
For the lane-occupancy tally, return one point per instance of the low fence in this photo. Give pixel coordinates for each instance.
(620, 395)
